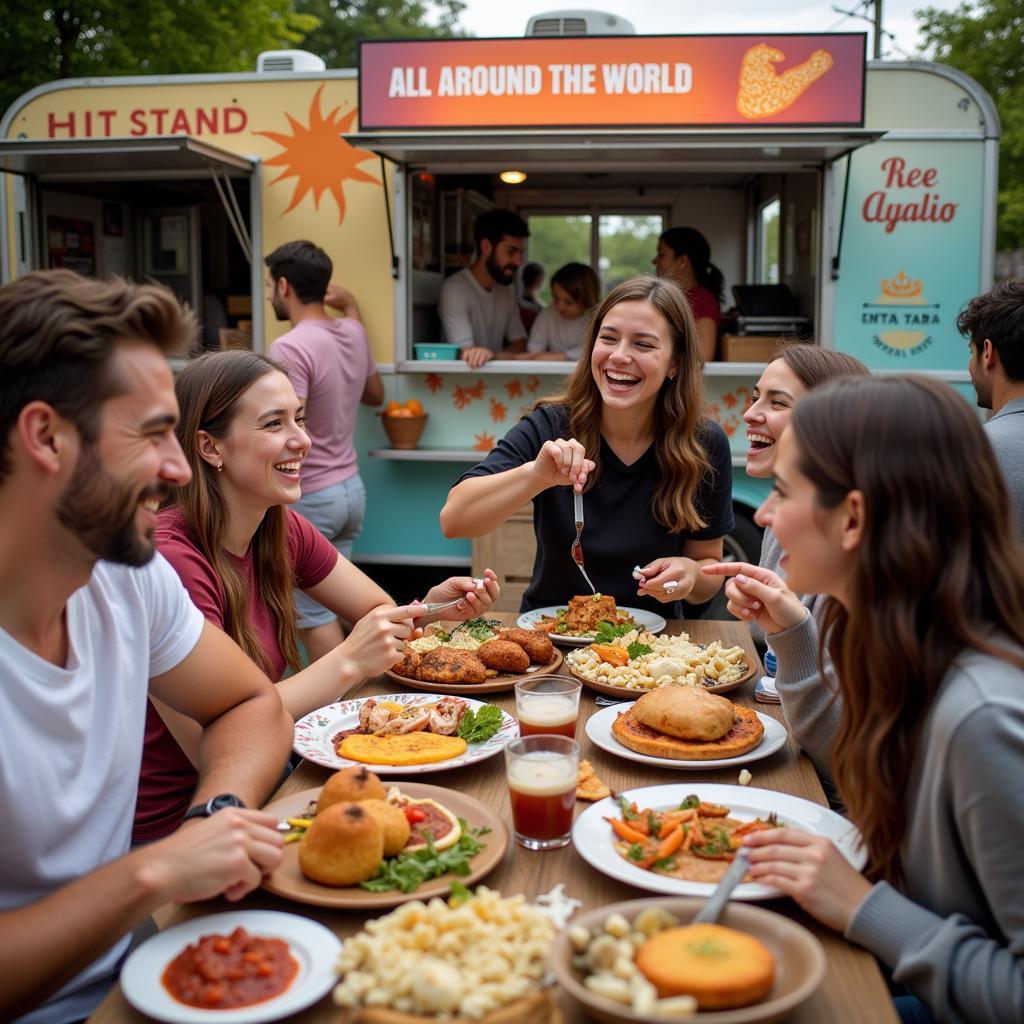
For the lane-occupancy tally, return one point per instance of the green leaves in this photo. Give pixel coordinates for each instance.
(481, 725)
(408, 871)
(636, 649)
(608, 632)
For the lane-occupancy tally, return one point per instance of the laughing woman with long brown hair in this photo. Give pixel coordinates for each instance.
(888, 499)
(629, 433)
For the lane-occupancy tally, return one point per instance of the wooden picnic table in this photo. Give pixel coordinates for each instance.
(853, 990)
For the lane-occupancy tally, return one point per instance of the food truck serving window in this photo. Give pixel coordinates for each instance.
(670, 81)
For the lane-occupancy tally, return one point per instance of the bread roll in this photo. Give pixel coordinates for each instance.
(686, 712)
(394, 824)
(343, 845)
(350, 784)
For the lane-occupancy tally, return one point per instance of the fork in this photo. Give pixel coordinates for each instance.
(577, 548)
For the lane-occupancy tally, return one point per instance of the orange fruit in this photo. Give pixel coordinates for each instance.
(414, 406)
(392, 407)
(401, 413)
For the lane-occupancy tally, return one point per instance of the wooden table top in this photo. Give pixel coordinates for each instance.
(853, 989)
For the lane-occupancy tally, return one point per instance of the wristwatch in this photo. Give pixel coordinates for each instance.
(213, 805)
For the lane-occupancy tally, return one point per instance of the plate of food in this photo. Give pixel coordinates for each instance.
(286, 963)
(478, 656)
(589, 618)
(337, 858)
(613, 835)
(627, 666)
(753, 966)
(685, 728)
(403, 733)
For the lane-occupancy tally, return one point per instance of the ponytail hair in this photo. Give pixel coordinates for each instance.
(690, 242)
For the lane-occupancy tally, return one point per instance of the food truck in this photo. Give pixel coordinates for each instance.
(849, 200)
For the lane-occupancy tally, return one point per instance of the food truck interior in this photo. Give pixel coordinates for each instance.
(762, 228)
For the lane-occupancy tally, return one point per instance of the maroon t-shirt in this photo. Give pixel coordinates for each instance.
(703, 303)
(168, 780)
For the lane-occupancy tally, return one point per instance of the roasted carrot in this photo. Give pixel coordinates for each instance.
(712, 810)
(670, 843)
(631, 835)
(611, 654)
(687, 841)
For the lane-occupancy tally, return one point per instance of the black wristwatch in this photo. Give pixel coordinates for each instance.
(213, 805)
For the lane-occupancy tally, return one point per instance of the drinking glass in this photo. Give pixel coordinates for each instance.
(548, 705)
(541, 772)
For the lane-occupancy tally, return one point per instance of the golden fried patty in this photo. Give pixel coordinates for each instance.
(409, 665)
(451, 665)
(538, 647)
(503, 655)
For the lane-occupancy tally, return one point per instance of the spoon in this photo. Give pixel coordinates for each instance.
(712, 910)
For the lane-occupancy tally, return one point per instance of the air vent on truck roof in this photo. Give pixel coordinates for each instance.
(289, 60)
(578, 23)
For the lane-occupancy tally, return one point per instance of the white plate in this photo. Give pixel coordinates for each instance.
(314, 946)
(648, 620)
(592, 835)
(313, 735)
(599, 730)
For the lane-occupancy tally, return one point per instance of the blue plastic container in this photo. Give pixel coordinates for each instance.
(436, 351)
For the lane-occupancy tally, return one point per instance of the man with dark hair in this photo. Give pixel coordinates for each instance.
(93, 622)
(994, 323)
(329, 364)
(478, 306)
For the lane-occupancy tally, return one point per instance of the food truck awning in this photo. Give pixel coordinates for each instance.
(118, 158)
(596, 150)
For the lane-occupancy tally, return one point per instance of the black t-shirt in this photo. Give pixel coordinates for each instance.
(620, 530)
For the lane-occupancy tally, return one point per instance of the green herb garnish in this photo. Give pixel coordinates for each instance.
(607, 632)
(665, 864)
(408, 871)
(459, 894)
(479, 628)
(636, 649)
(628, 814)
(690, 802)
(635, 852)
(652, 824)
(475, 727)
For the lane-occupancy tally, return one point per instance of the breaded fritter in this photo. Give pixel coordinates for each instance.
(503, 655)
(586, 611)
(451, 665)
(409, 665)
(537, 645)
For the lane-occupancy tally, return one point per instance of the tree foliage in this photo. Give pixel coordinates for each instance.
(42, 41)
(983, 39)
(342, 23)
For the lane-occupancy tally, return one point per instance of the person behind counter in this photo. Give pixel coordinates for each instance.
(560, 332)
(889, 500)
(478, 306)
(239, 550)
(684, 256)
(796, 370)
(629, 432)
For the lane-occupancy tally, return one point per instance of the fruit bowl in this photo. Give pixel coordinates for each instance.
(404, 431)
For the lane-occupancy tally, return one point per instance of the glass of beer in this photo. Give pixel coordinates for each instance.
(541, 772)
(548, 705)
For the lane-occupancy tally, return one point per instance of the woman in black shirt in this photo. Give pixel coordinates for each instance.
(630, 433)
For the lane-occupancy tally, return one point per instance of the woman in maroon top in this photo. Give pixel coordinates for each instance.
(240, 552)
(684, 256)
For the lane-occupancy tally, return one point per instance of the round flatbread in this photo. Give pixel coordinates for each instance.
(402, 750)
(745, 734)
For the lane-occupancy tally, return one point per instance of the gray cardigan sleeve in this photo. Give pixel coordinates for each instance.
(810, 702)
(964, 974)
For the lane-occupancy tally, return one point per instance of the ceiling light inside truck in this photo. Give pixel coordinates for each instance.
(513, 177)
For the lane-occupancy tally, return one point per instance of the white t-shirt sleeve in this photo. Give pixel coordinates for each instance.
(175, 623)
(514, 329)
(454, 310)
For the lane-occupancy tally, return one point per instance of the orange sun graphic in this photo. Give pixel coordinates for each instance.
(318, 156)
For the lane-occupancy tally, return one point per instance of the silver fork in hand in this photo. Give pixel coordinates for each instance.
(577, 548)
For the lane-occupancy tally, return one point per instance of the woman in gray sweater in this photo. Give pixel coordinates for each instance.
(888, 500)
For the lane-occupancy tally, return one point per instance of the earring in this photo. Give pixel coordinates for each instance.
(220, 466)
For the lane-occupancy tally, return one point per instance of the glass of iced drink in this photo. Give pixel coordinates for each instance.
(541, 772)
(548, 705)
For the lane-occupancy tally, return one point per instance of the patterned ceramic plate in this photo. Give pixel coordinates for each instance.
(314, 735)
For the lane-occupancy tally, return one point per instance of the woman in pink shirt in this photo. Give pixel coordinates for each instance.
(684, 256)
(240, 551)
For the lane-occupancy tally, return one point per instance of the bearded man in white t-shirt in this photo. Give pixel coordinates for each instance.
(478, 307)
(91, 623)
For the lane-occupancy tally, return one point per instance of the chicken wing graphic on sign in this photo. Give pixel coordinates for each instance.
(764, 91)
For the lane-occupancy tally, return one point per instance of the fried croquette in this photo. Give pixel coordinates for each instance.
(538, 647)
(503, 655)
(350, 784)
(451, 665)
(343, 845)
(394, 825)
(409, 665)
